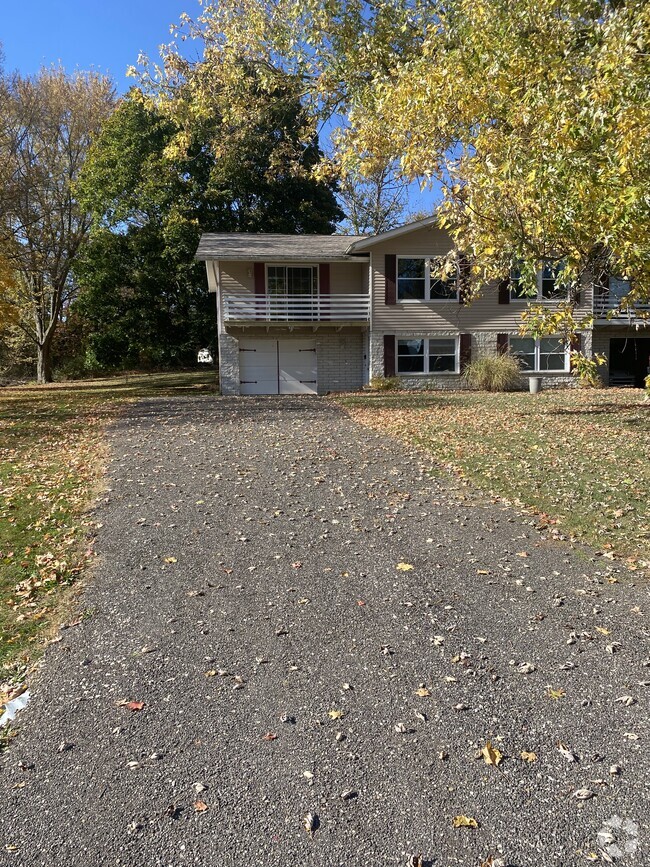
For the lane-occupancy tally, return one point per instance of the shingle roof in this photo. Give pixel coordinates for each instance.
(250, 247)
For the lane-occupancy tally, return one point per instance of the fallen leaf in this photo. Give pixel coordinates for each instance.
(131, 705)
(528, 757)
(491, 756)
(404, 567)
(200, 806)
(568, 755)
(269, 736)
(171, 560)
(335, 714)
(464, 822)
(603, 631)
(211, 673)
(555, 694)
(583, 794)
(423, 692)
(311, 823)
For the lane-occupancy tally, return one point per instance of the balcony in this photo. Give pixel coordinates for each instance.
(606, 311)
(245, 308)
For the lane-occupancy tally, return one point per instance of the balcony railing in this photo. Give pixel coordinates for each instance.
(244, 307)
(606, 307)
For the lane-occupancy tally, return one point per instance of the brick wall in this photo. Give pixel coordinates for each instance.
(340, 360)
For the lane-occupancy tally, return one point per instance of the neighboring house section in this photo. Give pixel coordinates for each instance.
(320, 313)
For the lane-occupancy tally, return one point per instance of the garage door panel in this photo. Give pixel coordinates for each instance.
(297, 371)
(258, 367)
(277, 366)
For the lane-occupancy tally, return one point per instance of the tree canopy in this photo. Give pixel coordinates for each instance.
(47, 124)
(144, 298)
(533, 114)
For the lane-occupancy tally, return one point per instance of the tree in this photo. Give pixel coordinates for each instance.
(373, 203)
(47, 123)
(144, 297)
(533, 114)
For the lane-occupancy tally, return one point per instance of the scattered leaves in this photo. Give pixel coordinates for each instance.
(491, 756)
(464, 822)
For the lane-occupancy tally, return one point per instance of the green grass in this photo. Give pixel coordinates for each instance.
(52, 456)
(577, 457)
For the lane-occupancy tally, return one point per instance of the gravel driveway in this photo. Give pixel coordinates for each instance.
(315, 626)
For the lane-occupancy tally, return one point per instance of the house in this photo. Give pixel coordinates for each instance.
(323, 313)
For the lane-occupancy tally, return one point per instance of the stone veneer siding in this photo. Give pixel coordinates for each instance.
(483, 343)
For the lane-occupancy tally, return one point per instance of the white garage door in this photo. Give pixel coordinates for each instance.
(277, 366)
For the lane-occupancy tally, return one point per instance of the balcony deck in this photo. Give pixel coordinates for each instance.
(606, 312)
(245, 308)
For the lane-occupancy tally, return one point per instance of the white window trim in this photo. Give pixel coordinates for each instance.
(536, 371)
(426, 340)
(427, 282)
(539, 298)
(315, 265)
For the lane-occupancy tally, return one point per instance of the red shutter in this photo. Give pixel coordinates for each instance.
(260, 278)
(502, 344)
(463, 280)
(576, 345)
(504, 292)
(391, 278)
(324, 279)
(465, 350)
(389, 354)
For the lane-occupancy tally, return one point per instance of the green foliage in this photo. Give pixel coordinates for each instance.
(533, 115)
(384, 383)
(586, 369)
(493, 373)
(144, 298)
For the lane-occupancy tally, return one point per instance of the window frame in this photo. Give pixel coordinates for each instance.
(427, 355)
(536, 370)
(313, 265)
(539, 298)
(452, 299)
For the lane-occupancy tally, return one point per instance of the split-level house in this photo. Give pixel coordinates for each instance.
(325, 313)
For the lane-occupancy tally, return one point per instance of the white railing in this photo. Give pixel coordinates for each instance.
(245, 307)
(604, 305)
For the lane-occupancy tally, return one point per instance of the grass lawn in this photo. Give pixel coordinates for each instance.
(580, 458)
(52, 456)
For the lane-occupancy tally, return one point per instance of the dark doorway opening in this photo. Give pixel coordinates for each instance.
(629, 361)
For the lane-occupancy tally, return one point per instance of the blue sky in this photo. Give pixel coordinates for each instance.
(105, 35)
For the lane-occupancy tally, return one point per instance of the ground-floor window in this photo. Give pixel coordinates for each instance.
(427, 355)
(546, 354)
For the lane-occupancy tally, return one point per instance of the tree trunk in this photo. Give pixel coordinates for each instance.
(44, 362)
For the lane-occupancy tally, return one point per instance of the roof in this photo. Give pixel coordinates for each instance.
(263, 247)
(364, 242)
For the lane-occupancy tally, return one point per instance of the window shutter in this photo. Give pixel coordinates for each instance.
(391, 278)
(504, 291)
(463, 279)
(502, 344)
(260, 278)
(324, 279)
(576, 345)
(389, 354)
(465, 350)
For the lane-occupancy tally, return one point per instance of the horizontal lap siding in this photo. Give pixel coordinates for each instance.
(345, 278)
(484, 314)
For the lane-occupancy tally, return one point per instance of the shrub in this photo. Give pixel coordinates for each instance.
(384, 383)
(586, 369)
(494, 373)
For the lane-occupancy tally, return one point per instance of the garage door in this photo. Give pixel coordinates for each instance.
(277, 366)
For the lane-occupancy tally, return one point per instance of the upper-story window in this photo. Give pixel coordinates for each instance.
(619, 287)
(291, 279)
(549, 284)
(419, 279)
